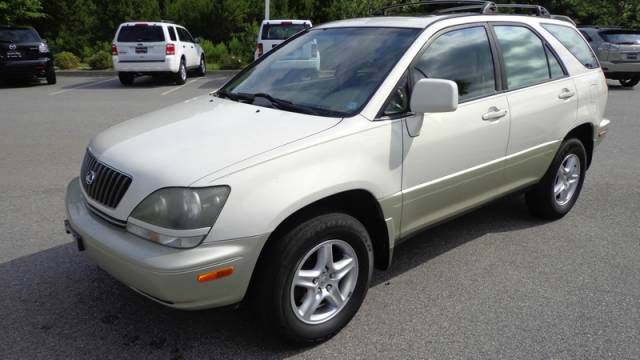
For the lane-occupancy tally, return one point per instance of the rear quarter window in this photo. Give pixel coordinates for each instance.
(575, 43)
(141, 33)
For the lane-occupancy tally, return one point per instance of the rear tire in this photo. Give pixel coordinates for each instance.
(51, 76)
(127, 79)
(311, 308)
(556, 194)
(629, 83)
(181, 75)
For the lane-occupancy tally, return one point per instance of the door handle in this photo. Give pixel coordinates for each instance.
(494, 114)
(566, 94)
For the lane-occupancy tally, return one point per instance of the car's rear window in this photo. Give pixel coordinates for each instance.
(281, 31)
(141, 33)
(19, 35)
(621, 37)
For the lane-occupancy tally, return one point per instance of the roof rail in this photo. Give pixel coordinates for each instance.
(464, 6)
(539, 10)
(480, 6)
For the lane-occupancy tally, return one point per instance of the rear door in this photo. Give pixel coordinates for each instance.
(542, 99)
(188, 45)
(141, 42)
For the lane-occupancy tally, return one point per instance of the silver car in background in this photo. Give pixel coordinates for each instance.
(618, 51)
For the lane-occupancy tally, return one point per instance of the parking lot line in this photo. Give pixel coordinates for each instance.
(179, 87)
(81, 86)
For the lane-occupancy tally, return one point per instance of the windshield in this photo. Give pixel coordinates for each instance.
(622, 37)
(19, 36)
(281, 31)
(141, 33)
(333, 71)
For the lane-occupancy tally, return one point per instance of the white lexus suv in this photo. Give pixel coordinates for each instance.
(286, 190)
(156, 48)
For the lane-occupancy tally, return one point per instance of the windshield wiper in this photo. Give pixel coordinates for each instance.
(231, 96)
(278, 103)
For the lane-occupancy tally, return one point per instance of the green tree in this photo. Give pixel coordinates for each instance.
(20, 11)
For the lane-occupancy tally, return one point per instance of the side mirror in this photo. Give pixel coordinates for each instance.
(45, 41)
(434, 96)
(198, 41)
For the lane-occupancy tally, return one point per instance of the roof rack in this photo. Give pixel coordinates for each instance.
(466, 6)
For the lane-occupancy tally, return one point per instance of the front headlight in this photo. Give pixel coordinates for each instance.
(43, 48)
(178, 217)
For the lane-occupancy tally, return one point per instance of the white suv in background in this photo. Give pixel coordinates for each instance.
(153, 48)
(274, 32)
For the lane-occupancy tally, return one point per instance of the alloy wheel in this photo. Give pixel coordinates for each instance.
(324, 282)
(567, 180)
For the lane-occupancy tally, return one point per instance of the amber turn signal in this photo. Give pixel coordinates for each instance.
(215, 275)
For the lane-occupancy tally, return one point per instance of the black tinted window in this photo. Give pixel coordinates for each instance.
(463, 56)
(184, 35)
(172, 33)
(141, 33)
(524, 55)
(19, 35)
(575, 43)
(281, 31)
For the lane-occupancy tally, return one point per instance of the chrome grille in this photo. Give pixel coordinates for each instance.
(102, 183)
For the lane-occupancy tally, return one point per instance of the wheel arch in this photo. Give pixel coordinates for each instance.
(584, 133)
(360, 204)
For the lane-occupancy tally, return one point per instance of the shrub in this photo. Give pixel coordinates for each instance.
(66, 60)
(100, 60)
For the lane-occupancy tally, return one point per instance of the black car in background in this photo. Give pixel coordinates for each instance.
(24, 54)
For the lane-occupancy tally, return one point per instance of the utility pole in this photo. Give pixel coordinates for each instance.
(266, 9)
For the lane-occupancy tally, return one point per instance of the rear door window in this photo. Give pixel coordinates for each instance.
(141, 33)
(571, 39)
(281, 31)
(184, 35)
(524, 56)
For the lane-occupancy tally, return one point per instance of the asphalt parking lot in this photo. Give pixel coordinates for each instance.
(495, 283)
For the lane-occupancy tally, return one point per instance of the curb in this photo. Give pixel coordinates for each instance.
(101, 73)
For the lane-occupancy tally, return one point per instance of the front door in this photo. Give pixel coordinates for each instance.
(455, 163)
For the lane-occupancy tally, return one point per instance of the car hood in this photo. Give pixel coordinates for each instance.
(180, 144)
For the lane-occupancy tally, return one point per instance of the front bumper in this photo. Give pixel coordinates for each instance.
(168, 276)
(37, 67)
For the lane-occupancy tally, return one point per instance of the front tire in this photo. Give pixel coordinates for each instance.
(202, 69)
(126, 79)
(314, 278)
(556, 194)
(51, 76)
(629, 83)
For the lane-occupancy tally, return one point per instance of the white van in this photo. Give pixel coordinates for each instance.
(151, 48)
(274, 32)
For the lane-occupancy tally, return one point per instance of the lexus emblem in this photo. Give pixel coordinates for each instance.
(12, 46)
(90, 178)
